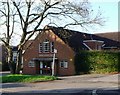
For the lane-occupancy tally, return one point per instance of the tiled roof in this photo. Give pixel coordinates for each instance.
(110, 35)
(27, 44)
(75, 39)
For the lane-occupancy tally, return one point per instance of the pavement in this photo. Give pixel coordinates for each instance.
(4, 73)
(89, 84)
(108, 78)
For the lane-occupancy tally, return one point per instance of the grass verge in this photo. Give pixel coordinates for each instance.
(26, 78)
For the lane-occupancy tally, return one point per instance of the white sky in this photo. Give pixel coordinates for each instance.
(109, 10)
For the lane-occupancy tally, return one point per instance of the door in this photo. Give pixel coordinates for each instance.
(41, 67)
(45, 68)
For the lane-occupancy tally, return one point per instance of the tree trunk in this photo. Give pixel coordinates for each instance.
(10, 62)
(19, 61)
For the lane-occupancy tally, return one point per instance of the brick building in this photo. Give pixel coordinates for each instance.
(3, 53)
(110, 35)
(39, 57)
(4, 57)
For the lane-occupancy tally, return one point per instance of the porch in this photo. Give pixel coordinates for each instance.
(44, 66)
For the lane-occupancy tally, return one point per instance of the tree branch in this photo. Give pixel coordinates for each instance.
(20, 15)
(3, 13)
(13, 26)
(8, 23)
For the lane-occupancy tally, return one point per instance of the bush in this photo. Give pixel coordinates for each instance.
(97, 62)
(5, 66)
(0, 66)
(82, 63)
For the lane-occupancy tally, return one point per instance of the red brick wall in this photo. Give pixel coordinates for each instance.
(64, 52)
(93, 45)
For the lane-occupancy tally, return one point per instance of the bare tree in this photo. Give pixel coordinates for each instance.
(30, 15)
(7, 19)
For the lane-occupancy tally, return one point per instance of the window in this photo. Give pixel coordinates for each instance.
(46, 46)
(31, 64)
(64, 64)
(15, 59)
(52, 46)
(40, 47)
(98, 47)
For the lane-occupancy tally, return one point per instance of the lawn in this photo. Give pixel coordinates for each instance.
(26, 78)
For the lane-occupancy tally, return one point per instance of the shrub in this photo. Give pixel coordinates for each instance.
(0, 66)
(82, 63)
(5, 66)
(97, 62)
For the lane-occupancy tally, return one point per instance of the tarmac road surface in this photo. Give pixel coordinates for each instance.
(71, 92)
(91, 84)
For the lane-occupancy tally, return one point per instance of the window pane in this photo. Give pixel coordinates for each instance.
(61, 64)
(46, 46)
(64, 64)
(15, 59)
(52, 46)
(31, 64)
(40, 47)
(41, 64)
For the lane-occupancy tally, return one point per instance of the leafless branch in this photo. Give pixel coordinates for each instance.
(4, 14)
(13, 26)
(8, 23)
(20, 15)
(30, 16)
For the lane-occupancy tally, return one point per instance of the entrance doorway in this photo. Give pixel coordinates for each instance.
(45, 67)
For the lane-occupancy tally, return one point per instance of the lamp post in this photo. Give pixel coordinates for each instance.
(53, 63)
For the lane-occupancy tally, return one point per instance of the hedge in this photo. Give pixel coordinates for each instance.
(97, 62)
(4, 66)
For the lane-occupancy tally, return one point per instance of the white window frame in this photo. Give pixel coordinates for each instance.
(52, 47)
(99, 47)
(41, 66)
(15, 57)
(46, 48)
(31, 64)
(40, 48)
(65, 64)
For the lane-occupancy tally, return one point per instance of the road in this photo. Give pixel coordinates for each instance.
(93, 84)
